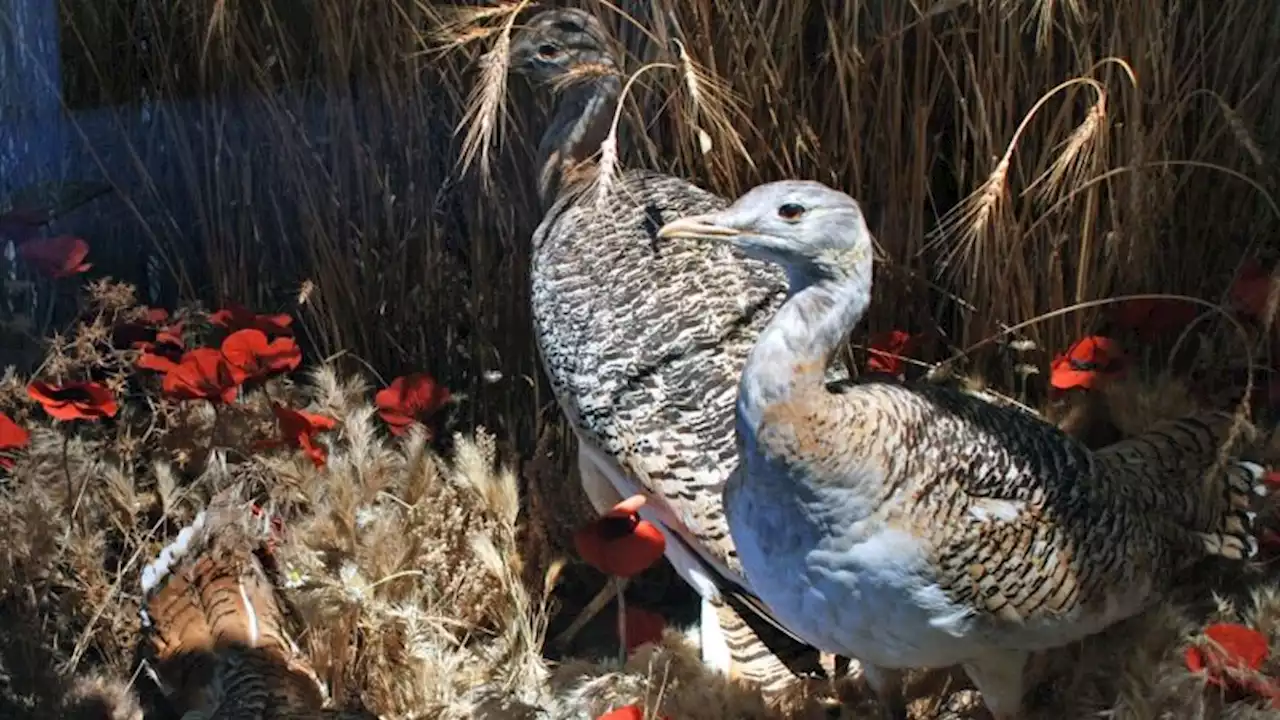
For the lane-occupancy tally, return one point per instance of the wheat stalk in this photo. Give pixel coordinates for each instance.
(710, 98)
(607, 166)
(969, 221)
(485, 102)
(1236, 125)
(461, 26)
(1079, 152)
(713, 100)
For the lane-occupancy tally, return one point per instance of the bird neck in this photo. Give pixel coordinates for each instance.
(791, 356)
(580, 124)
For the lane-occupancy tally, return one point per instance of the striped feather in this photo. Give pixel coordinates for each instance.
(216, 641)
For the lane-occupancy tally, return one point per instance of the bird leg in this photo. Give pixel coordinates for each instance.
(595, 483)
(998, 675)
(886, 683)
(589, 611)
(603, 496)
(620, 588)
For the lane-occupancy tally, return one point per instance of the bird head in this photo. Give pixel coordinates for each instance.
(557, 43)
(810, 229)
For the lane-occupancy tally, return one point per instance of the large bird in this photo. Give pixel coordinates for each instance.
(643, 348)
(920, 526)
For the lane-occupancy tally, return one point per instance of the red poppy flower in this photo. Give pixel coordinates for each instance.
(237, 317)
(885, 351)
(12, 437)
(1249, 291)
(137, 333)
(1150, 318)
(299, 428)
(619, 543)
(74, 401)
(408, 399)
(255, 356)
(629, 712)
(154, 316)
(203, 374)
(1233, 658)
(170, 335)
(1086, 364)
(643, 626)
(160, 357)
(163, 351)
(56, 257)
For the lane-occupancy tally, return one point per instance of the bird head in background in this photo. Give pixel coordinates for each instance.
(812, 230)
(556, 44)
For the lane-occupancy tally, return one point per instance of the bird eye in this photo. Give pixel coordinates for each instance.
(790, 211)
(548, 51)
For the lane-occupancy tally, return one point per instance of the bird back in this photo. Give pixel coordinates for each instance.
(215, 637)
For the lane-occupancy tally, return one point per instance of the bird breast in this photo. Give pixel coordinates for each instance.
(840, 574)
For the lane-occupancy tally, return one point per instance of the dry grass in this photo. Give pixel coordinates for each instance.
(417, 586)
(1016, 159)
(1007, 173)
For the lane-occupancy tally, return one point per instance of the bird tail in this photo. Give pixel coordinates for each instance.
(1194, 474)
(1236, 537)
(761, 653)
(209, 610)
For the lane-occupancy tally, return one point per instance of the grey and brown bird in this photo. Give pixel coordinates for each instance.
(215, 639)
(918, 526)
(643, 349)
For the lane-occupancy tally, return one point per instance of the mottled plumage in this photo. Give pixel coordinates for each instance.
(643, 347)
(920, 526)
(216, 643)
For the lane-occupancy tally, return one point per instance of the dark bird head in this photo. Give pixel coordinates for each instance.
(555, 44)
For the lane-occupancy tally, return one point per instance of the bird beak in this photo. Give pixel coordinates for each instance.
(699, 227)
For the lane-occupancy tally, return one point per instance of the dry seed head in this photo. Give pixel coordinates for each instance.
(690, 73)
(460, 26)
(580, 74)
(607, 166)
(714, 101)
(1070, 168)
(454, 39)
(971, 219)
(1240, 132)
(485, 102)
(989, 196)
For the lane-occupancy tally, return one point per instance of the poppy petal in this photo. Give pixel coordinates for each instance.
(1087, 363)
(203, 374)
(298, 428)
(12, 435)
(1232, 656)
(74, 401)
(235, 317)
(629, 712)
(56, 257)
(620, 549)
(643, 626)
(884, 351)
(416, 396)
(155, 362)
